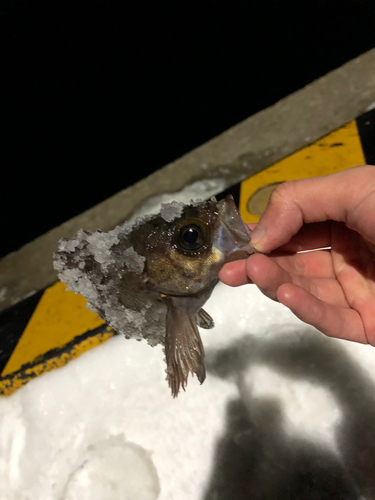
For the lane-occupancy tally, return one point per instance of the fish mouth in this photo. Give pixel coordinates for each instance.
(234, 236)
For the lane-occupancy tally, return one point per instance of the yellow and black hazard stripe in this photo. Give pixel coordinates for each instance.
(46, 330)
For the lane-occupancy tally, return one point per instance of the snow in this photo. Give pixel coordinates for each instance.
(114, 458)
(172, 210)
(106, 427)
(134, 262)
(302, 402)
(100, 244)
(203, 189)
(93, 265)
(68, 245)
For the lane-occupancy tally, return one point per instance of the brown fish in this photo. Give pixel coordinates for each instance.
(150, 280)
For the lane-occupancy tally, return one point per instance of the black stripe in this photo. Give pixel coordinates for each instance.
(21, 375)
(56, 352)
(13, 321)
(366, 129)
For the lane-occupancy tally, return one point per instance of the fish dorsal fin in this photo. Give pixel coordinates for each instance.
(204, 320)
(184, 350)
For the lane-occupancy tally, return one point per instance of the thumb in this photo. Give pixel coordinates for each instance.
(345, 196)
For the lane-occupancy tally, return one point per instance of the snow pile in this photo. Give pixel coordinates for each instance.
(172, 210)
(106, 428)
(97, 265)
(282, 407)
(200, 190)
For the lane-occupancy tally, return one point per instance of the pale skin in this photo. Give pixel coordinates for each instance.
(331, 289)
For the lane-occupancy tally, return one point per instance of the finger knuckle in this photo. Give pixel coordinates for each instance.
(284, 193)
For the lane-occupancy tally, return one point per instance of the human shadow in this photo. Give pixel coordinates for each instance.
(255, 459)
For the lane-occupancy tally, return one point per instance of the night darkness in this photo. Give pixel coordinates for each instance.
(96, 95)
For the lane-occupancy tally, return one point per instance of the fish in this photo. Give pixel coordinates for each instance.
(151, 279)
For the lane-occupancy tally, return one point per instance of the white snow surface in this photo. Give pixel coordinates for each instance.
(105, 426)
(200, 190)
(172, 210)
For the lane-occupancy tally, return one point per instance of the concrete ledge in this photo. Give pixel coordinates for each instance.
(239, 152)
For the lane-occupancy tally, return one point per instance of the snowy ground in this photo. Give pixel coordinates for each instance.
(284, 413)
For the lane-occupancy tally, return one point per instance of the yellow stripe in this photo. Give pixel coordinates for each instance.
(337, 151)
(59, 317)
(10, 385)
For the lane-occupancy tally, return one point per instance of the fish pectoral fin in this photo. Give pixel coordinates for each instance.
(184, 350)
(204, 320)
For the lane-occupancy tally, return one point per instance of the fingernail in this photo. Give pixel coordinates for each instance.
(257, 234)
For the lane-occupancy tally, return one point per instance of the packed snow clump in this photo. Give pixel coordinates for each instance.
(170, 211)
(109, 273)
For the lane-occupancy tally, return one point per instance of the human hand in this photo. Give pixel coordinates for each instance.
(332, 289)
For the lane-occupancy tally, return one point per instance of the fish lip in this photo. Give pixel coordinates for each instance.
(239, 228)
(235, 240)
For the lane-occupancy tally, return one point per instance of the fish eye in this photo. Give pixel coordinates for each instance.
(191, 237)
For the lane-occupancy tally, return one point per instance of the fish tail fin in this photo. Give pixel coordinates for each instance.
(184, 350)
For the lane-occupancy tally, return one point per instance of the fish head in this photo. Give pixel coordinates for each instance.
(184, 255)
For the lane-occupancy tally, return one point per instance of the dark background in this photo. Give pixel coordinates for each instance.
(96, 95)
